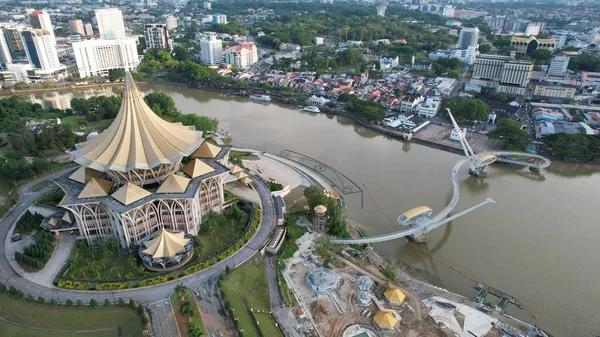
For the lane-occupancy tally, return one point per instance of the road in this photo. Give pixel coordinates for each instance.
(145, 295)
(215, 319)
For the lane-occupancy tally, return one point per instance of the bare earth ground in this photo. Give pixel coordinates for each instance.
(441, 135)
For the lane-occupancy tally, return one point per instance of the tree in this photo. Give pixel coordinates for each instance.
(163, 105)
(187, 310)
(69, 303)
(131, 303)
(180, 53)
(484, 48)
(121, 302)
(514, 137)
(541, 56)
(20, 85)
(41, 300)
(466, 109)
(389, 272)
(326, 249)
(116, 74)
(180, 291)
(93, 303)
(106, 303)
(79, 304)
(202, 123)
(195, 329)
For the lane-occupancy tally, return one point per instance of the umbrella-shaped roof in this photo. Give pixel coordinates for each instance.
(166, 244)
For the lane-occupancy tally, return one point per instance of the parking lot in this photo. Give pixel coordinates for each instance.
(440, 134)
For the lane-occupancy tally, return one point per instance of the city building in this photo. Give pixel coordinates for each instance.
(317, 100)
(220, 18)
(495, 23)
(503, 73)
(130, 184)
(320, 217)
(454, 135)
(171, 22)
(387, 63)
(157, 36)
(241, 56)
(76, 27)
(381, 7)
(394, 295)
(549, 91)
(429, 108)
(40, 46)
(561, 40)
(12, 46)
(89, 30)
(526, 45)
(533, 29)
(558, 66)
(110, 23)
(207, 5)
(97, 57)
(318, 40)
(41, 20)
(211, 50)
(468, 37)
(409, 103)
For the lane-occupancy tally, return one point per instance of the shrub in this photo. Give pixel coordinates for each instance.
(79, 304)
(19, 294)
(106, 303)
(13, 291)
(69, 303)
(121, 302)
(131, 303)
(30, 298)
(2, 287)
(93, 303)
(41, 300)
(53, 302)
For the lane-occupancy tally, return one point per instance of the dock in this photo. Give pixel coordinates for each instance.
(504, 297)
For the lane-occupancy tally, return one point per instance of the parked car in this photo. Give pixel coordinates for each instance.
(15, 238)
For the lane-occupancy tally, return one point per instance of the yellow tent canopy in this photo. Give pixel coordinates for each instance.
(166, 244)
(394, 295)
(385, 319)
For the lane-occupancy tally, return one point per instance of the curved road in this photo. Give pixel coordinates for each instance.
(539, 163)
(142, 295)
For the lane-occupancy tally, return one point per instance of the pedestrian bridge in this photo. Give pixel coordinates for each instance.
(528, 160)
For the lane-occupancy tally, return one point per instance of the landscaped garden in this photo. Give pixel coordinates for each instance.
(44, 314)
(105, 267)
(247, 288)
(36, 256)
(187, 312)
(28, 222)
(51, 198)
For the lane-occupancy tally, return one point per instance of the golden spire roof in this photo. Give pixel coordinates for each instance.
(129, 193)
(236, 169)
(173, 184)
(385, 319)
(196, 168)
(166, 244)
(137, 138)
(95, 188)
(241, 175)
(394, 295)
(207, 150)
(84, 174)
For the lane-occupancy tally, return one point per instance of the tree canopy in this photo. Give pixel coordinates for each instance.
(466, 109)
(514, 137)
(370, 111)
(585, 62)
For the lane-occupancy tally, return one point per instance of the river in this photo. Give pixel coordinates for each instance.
(539, 242)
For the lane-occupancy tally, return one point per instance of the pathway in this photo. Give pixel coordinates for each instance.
(59, 258)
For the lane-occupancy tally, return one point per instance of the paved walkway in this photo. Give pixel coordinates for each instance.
(64, 245)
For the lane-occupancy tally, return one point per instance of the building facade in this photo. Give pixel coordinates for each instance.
(40, 47)
(554, 91)
(171, 22)
(97, 57)
(526, 45)
(220, 19)
(558, 66)
(41, 20)
(469, 37)
(157, 37)
(503, 73)
(110, 23)
(131, 183)
(89, 30)
(76, 27)
(211, 50)
(241, 56)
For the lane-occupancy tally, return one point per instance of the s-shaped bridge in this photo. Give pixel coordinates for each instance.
(478, 163)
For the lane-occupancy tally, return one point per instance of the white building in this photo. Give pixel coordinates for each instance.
(558, 66)
(220, 18)
(157, 36)
(409, 103)
(533, 29)
(449, 11)
(76, 27)
(207, 5)
(211, 50)
(503, 73)
(318, 40)
(40, 47)
(468, 37)
(110, 23)
(41, 20)
(241, 56)
(317, 100)
(455, 136)
(387, 63)
(444, 85)
(97, 57)
(171, 22)
(89, 30)
(429, 108)
(20, 70)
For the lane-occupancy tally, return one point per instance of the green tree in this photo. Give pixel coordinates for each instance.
(69, 303)
(93, 303)
(106, 303)
(180, 291)
(389, 272)
(466, 109)
(41, 300)
(514, 137)
(541, 56)
(326, 249)
(484, 48)
(131, 303)
(195, 329)
(187, 310)
(121, 302)
(202, 123)
(180, 53)
(163, 105)
(116, 74)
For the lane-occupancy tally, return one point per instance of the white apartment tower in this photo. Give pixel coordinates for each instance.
(41, 20)
(157, 37)
(468, 38)
(207, 5)
(171, 22)
(220, 18)
(97, 57)
(558, 66)
(76, 27)
(40, 47)
(110, 23)
(211, 50)
(241, 56)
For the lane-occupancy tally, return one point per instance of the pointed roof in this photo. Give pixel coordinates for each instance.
(241, 175)
(196, 168)
(68, 217)
(84, 174)
(207, 150)
(394, 295)
(129, 193)
(137, 138)
(246, 181)
(174, 184)
(236, 169)
(166, 244)
(95, 188)
(385, 319)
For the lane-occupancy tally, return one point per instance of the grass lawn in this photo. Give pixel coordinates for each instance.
(97, 125)
(17, 311)
(5, 186)
(267, 325)
(250, 283)
(41, 185)
(8, 330)
(298, 206)
(182, 321)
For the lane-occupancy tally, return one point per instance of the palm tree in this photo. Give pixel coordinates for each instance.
(187, 310)
(118, 270)
(179, 290)
(195, 329)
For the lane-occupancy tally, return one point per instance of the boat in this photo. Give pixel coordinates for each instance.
(261, 98)
(311, 108)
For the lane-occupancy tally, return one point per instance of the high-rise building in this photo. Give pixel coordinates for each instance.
(14, 42)
(97, 57)
(89, 30)
(533, 29)
(171, 22)
(503, 73)
(558, 65)
(220, 18)
(211, 50)
(41, 20)
(157, 36)
(242, 55)
(207, 5)
(76, 27)
(468, 38)
(381, 7)
(40, 47)
(495, 22)
(110, 23)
